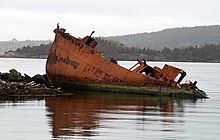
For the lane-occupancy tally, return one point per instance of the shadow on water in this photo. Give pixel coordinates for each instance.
(89, 114)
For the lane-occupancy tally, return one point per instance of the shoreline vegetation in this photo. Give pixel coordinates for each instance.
(112, 49)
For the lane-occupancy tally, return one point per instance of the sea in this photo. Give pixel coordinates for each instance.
(111, 116)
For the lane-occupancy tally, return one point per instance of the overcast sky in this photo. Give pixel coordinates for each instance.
(36, 19)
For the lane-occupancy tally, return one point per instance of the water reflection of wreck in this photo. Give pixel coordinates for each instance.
(83, 115)
(75, 63)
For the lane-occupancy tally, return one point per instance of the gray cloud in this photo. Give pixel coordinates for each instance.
(115, 7)
(109, 17)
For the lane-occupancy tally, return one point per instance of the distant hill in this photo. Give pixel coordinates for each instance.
(14, 44)
(172, 38)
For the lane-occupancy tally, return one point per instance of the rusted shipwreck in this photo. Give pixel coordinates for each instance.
(74, 63)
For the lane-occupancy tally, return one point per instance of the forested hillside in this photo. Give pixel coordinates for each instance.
(14, 44)
(40, 51)
(108, 48)
(172, 38)
(111, 49)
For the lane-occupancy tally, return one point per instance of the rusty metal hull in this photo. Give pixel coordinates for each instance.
(75, 61)
(71, 60)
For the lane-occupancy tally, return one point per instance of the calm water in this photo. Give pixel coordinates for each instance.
(111, 116)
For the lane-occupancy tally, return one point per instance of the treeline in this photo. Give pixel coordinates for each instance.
(112, 49)
(35, 50)
(40, 51)
(206, 53)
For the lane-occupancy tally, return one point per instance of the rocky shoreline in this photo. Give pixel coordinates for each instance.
(13, 84)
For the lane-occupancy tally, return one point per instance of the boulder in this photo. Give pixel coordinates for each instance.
(39, 79)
